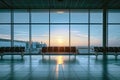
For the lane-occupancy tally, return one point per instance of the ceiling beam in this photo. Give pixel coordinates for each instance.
(6, 4)
(59, 4)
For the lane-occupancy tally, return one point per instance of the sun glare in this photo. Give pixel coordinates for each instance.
(60, 41)
(59, 60)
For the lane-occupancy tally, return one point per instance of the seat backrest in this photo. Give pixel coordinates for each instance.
(17, 49)
(118, 49)
(2, 49)
(44, 49)
(110, 49)
(50, 49)
(73, 49)
(7, 49)
(23, 49)
(55, 49)
(67, 49)
(100, 49)
(96, 49)
(61, 49)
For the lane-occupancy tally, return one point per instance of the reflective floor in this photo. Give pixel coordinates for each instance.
(60, 67)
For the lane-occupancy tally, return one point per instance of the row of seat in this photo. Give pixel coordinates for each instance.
(12, 50)
(107, 49)
(113, 50)
(59, 49)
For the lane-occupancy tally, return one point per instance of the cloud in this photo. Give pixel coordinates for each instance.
(4, 36)
(78, 34)
(81, 35)
(75, 31)
(44, 35)
(21, 34)
(39, 35)
(18, 33)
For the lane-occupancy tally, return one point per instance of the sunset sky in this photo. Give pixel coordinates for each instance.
(59, 33)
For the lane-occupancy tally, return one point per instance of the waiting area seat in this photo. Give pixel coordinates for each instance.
(56, 50)
(113, 50)
(12, 51)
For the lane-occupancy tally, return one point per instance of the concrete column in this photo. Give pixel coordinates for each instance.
(105, 28)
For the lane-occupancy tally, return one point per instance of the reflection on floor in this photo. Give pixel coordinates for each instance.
(62, 67)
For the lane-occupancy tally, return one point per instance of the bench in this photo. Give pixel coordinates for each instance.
(114, 50)
(59, 50)
(12, 51)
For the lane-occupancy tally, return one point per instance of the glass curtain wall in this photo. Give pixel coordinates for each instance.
(57, 27)
(5, 37)
(39, 30)
(21, 29)
(40, 38)
(79, 30)
(113, 28)
(59, 35)
(96, 29)
(21, 36)
(5, 28)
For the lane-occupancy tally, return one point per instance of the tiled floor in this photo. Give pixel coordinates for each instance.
(60, 67)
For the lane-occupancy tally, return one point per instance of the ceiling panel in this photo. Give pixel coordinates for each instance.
(2, 5)
(59, 4)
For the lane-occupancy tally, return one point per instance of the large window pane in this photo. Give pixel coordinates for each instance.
(40, 16)
(21, 16)
(114, 16)
(79, 37)
(40, 37)
(59, 35)
(5, 16)
(21, 36)
(79, 16)
(59, 16)
(114, 35)
(5, 37)
(96, 16)
(95, 36)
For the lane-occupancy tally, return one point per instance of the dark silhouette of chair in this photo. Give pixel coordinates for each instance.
(110, 49)
(61, 49)
(50, 49)
(44, 49)
(113, 50)
(12, 50)
(73, 49)
(56, 49)
(67, 49)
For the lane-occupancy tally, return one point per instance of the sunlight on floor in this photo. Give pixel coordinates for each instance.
(60, 60)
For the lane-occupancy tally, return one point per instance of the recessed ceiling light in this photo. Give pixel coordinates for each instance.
(60, 0)
(60, 12)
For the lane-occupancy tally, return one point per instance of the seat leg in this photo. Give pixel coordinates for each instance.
(22, 55)
(116, 56)
(1, 57)
(75, 55)
(96, 54)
